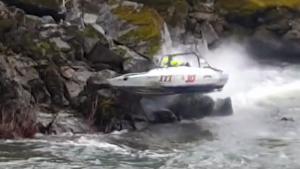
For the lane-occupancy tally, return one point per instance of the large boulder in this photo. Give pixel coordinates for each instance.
(104, 107)
(192, 106)
(139, 28)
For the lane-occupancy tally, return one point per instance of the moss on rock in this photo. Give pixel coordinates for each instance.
(148, 28)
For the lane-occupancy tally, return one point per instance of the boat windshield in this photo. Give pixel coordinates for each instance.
(183, 59)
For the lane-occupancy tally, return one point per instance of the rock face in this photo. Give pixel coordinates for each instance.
(56, 57)
(50, 70)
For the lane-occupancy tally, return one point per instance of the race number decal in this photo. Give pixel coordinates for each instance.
(190, 79)
(166, 78)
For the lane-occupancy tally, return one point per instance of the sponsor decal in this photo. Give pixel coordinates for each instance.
(166, 78)
(190, 79)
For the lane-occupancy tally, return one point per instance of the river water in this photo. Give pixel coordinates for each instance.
(254, 137)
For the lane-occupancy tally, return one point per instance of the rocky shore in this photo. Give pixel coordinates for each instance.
(56, 55)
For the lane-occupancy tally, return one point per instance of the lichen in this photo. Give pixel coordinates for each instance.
(149, 25)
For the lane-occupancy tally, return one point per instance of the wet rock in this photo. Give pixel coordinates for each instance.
(163, 116)
(192, 106)
(222, 107)
(63, 122)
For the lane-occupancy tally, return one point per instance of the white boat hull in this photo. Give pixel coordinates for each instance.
(171, 80)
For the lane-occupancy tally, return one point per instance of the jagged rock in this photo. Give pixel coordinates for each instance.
(77, 79)
(132, 61)
(101, 54)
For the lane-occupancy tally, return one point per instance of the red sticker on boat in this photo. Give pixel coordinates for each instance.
(190, 79)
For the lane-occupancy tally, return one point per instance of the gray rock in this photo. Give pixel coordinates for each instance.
(64, 46)
(64, 122)
(89, 18)
(48, 19)
(103, 55)
(76, 79)
(99, 79)
(133, 62)
(209, 33)
(134, 65)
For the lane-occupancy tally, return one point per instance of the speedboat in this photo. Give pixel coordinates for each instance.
(196, 75)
